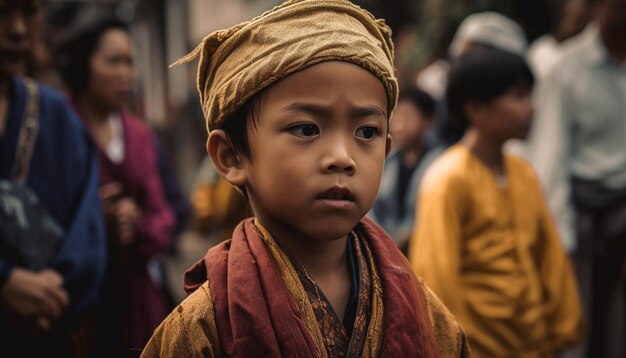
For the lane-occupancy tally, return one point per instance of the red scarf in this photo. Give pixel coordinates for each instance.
(257, 316)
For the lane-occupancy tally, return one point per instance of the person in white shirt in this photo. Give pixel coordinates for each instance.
(578, 147)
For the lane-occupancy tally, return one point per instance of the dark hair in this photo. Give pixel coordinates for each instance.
(236, 126)
(420, 99)
(73, 57)
(481, 75)
(236, 129)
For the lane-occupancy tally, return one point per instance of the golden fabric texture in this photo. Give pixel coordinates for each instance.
(238, 62)
(491, 252)
(191, 331)
(453, 342)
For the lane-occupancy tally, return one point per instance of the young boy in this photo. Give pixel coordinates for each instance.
(485, 240)
(297, 103)
(394, 209)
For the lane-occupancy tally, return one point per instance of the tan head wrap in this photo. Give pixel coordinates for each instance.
(238, 62)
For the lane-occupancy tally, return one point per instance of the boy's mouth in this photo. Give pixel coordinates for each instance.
(337, 193)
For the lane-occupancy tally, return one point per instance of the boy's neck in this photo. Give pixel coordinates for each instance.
(487, 150)
(319, 258)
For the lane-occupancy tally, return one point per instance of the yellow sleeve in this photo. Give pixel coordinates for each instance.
(188, 331)
(562, 300)
(435, 247)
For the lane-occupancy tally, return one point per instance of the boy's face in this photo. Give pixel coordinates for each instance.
(508, 116)
(318, 151)
(409, 125)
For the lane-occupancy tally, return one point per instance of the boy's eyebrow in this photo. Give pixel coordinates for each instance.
(323, 111)
(309, 108)
(367, 111)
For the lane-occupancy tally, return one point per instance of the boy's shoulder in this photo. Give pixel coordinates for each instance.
(189, 329)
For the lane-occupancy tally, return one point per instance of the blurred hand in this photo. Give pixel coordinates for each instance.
(127, 215)
(121, 212)
(42, 324)
(37, 296)
(109, 194)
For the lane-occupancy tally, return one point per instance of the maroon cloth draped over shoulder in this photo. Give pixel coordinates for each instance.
(255, 314)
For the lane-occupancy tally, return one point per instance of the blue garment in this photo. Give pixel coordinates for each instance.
(64, 174)
(385, 211)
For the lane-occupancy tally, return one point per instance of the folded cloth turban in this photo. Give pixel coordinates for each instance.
(238, 62)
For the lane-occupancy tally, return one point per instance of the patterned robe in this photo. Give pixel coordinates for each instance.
(255, 304)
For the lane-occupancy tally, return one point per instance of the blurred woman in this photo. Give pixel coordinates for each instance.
(97, 66)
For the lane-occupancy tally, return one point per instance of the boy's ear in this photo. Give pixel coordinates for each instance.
(388, 145)
(227, 162)
(474, 111)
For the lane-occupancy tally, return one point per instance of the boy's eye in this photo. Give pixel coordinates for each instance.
(305, 130)
(367, 132)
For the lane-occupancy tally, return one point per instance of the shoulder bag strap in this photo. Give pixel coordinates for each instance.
(28, 133)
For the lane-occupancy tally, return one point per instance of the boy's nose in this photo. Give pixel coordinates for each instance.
(339, 160)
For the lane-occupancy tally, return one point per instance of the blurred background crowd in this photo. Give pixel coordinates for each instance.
(164, 204)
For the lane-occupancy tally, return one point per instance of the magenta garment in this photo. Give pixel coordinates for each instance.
(139, 175)
(144, 305)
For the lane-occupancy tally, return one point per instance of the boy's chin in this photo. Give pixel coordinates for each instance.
(523, 133)
(330, 232)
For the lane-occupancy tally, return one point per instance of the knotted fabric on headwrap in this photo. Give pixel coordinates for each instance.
(238, 62)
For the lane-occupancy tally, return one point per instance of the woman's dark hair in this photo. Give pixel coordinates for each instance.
(73, 57)
(420, 99)
(481, 75)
